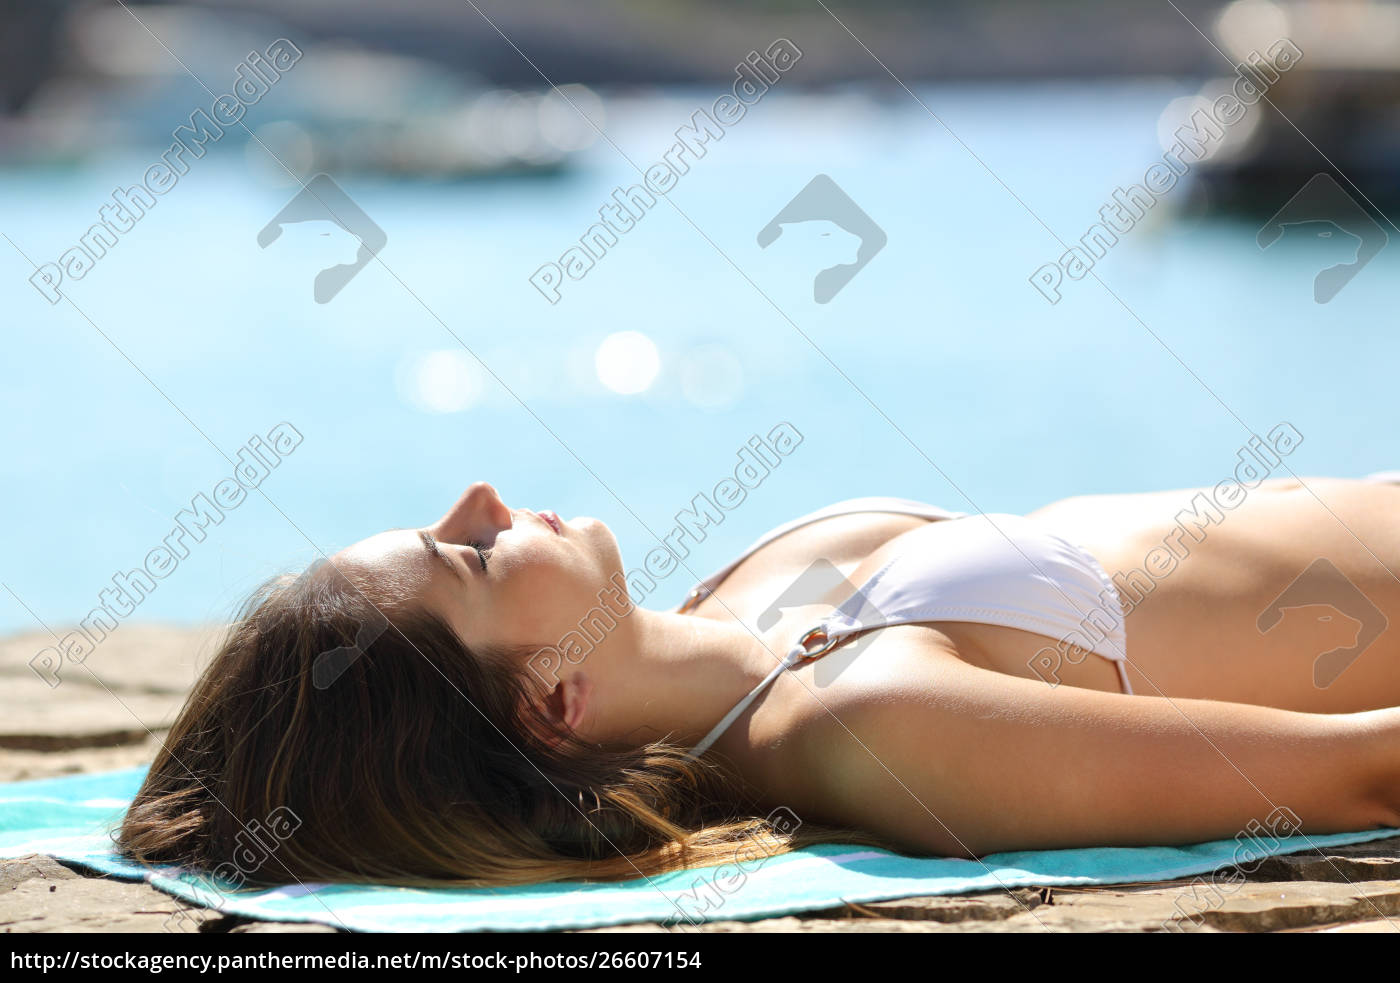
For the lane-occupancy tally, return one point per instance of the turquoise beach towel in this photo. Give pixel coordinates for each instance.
(71, 818)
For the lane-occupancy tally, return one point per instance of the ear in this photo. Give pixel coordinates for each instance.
(569, 701)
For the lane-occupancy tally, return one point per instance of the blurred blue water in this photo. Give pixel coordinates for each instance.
(1014, 401)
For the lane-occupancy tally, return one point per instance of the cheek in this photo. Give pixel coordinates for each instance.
(541, 599)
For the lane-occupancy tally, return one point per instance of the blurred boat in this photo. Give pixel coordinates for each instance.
(129, 79)
(1337, 110)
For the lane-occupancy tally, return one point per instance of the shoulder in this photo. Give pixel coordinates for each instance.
(844, 737)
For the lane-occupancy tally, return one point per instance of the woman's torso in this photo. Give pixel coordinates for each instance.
(1192, 625)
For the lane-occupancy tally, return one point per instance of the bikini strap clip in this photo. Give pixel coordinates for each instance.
(801, 652)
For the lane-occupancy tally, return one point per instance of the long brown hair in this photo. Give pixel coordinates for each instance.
(405, 758)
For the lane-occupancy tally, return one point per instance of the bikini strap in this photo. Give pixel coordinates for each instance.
(798, 654)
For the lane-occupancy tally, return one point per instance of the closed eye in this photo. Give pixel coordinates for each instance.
(458, 568)
(482, 552)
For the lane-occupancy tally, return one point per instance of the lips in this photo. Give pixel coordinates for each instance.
(553, 520)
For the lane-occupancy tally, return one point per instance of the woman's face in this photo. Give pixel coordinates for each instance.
(503, 578)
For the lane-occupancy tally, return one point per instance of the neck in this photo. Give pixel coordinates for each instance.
(672, 679)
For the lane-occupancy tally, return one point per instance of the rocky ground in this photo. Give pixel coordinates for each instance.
(111, 712)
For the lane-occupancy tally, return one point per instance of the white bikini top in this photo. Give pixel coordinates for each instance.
(991, 569)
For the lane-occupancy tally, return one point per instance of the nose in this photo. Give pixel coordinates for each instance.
(478, 516)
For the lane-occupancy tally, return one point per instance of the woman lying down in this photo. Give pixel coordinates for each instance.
(883, 671)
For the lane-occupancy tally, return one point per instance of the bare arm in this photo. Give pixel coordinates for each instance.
(963, 760)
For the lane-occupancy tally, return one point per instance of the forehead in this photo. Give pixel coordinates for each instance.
(395, 568)
(396, 560)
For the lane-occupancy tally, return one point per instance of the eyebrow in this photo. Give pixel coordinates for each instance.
(430, 544)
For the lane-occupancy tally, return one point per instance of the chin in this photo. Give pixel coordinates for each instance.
(591, 527)
(601, 540)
